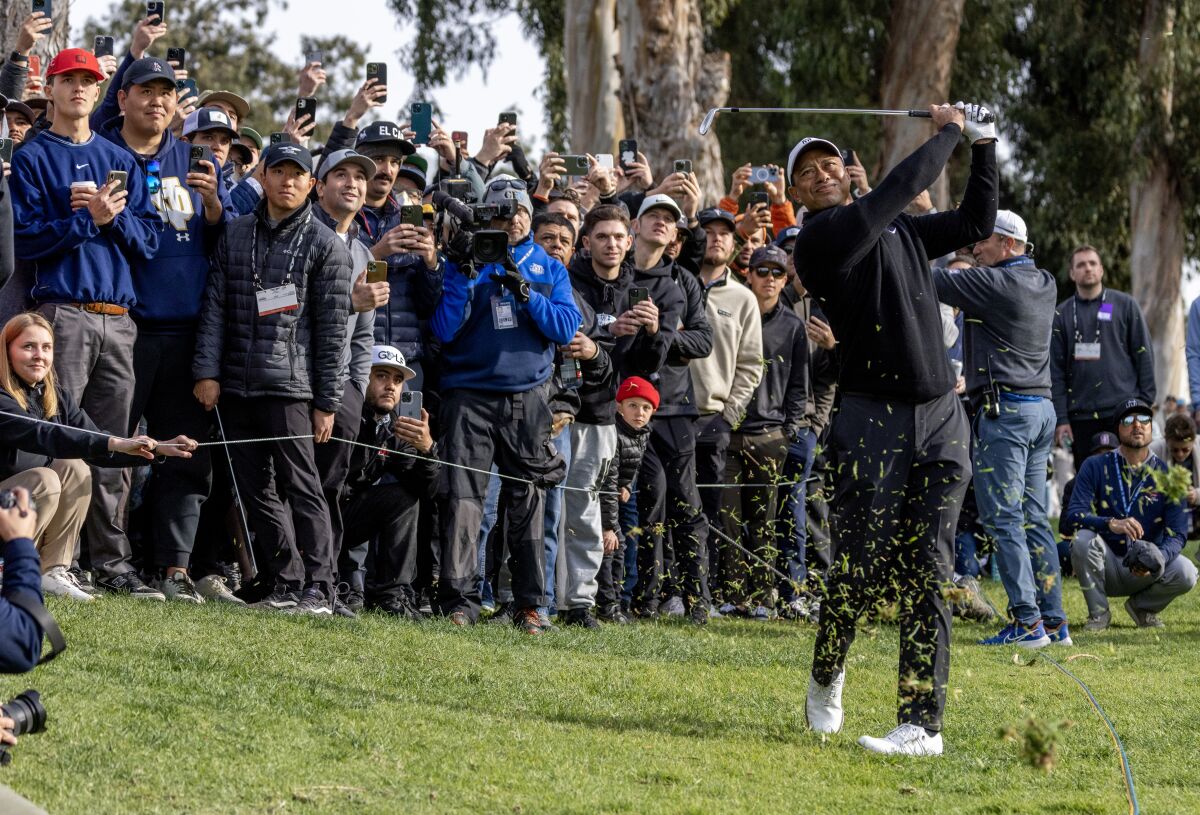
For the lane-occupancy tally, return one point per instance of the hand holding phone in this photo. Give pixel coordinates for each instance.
(421, 121)
(197, 154)
(377, 271)
(117, 179)
(156, 8)
(378, 72)
(178, 56)
(102, 47)
(508, 117)
(627, 148)
(306, 106)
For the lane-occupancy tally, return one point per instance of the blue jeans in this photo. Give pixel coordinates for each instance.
(1010, 459)
(792, 538)
(628, 514)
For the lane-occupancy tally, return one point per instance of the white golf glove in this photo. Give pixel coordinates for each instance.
(981, 122)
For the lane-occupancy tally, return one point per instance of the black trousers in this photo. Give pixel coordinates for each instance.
(1082, 431)
(712, 444)
(297, 539)
(748, 516)
(333, 463)
(668, 501)
(901, 471)
(513, 432)
(819, 554)
(383, 518)
(162, 393)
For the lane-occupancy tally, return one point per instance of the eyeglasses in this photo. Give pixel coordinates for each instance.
(770, 271)
(153, 178)
(506, 184)
(1140, 418)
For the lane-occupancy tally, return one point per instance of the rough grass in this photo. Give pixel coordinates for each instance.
(167, 708)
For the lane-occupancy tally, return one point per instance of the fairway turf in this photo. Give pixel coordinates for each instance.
(172, 708)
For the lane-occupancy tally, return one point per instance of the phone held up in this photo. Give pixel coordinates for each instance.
(378, 72)
(410, 405)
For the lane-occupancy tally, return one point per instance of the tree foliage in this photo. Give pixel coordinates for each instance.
(230, 48)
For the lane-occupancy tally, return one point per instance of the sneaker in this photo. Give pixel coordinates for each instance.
(971, 605)
(425, 606)
(340, 609)
(350, 597)
(613, 613)
(401, 607)
(761, 614)
(581, 617)
(646, 612)
(233, 577)
(1098, 622)
(544, 619)
(1143, 619)
(281, 599)
(796, 609)
(313, 602)
(1020, 635)
(823, 704)
(527, 620)
(61, 583)
(1060, 634)
(698, 613)
(503, 615)
(85, 580)
(714, 613)
(905, 740)
(215, 587)
(180, 587)
(673, 607)
(130, 583)
(726, 609)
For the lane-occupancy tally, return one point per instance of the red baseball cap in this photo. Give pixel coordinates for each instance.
(636, 386)
(75, 59)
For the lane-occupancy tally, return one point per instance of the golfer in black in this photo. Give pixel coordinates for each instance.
(898, 442)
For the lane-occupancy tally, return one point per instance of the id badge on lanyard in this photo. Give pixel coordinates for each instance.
(1087, 351)
(280, 298)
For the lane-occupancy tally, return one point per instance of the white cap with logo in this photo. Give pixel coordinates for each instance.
(1012, 225)
(387, 356)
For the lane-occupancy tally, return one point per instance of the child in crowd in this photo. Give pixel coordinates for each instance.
(637, 400)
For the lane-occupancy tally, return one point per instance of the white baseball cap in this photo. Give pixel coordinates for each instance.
(660, 200)
(803, 146)
(1011, 224)
(388, 356)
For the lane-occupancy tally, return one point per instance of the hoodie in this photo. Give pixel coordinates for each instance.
(681, 311)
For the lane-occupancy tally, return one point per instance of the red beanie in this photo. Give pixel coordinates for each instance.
(636, 386)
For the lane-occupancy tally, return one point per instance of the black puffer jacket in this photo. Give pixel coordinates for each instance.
(294, 354)
(631, 446)
(692, 339)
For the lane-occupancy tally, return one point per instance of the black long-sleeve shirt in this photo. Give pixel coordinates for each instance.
(867, 263)
(781, 399)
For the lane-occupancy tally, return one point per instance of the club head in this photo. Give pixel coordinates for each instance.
(709, 118)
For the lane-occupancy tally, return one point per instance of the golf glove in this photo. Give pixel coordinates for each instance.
(981, 122)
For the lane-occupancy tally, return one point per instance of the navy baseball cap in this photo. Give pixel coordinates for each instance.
(1104, 441)
(1131, 406)
(146, 70)
(383, 136)
(279, 153)
(769, 255)
(208, 119)
(707, 216)
(786, 234)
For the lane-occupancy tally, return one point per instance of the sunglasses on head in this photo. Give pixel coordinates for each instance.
(769, 271)
(1140, 418)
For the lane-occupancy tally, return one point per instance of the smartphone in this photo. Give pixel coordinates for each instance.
(683, 165)
(509, 117)
(570, 374)
(421, 119)
(177, 56)
(604, 160)
(306, 106)
(638, 294)
(763, 175)
(119, 176)
(848, 158)
(35, 62)
(279, 138)
(378, 72)
(314, 57)
(412, 214)
(43, 6)
(576, 165)
(6, 148)
(627, 148)
(459, 137)
(197, 154)
(103, 47)
(410, 405)
(757, 197)
(376, 271)
(186, 87)
(157, 9)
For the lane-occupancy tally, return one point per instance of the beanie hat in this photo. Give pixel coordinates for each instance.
(636, 386)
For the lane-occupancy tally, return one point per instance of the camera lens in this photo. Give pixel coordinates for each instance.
(27, 713)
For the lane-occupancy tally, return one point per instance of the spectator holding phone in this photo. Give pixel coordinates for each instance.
(14, 73)
(146, 32)
(82, 230)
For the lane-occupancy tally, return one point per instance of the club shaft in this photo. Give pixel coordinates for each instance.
(856, 111)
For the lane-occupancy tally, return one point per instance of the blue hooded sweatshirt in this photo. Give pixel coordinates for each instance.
(479, 354)
(74, 260)
(170, 285)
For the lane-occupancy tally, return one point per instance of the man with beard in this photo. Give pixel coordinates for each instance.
(1129, 532)
(554, 233)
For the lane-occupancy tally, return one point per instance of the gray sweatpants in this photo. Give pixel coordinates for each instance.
(581, 548)
(93, 360)
(1102, 575)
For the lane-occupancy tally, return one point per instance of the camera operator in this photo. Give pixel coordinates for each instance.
(500, 325)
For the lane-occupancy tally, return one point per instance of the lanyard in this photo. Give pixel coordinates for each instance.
(291, 251)
(1127, 503)
(1075, 316)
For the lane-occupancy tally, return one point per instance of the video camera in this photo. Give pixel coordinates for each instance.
(28, 715)
(470, 242)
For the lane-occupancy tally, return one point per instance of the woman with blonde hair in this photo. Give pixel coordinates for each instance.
(47, 442)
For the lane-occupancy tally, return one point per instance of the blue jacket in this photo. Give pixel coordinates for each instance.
(20, 634)
(1108, 488)
(478, 355)
(75, 260)
(170, 285)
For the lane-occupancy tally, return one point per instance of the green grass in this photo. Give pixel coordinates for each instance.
(164, 708)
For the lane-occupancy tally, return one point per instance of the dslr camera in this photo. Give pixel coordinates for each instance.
(28, 715)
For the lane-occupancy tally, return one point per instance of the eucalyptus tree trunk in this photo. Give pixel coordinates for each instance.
(590, 43)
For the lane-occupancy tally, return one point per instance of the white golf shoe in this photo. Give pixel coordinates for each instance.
(823, 705)
(905, 740)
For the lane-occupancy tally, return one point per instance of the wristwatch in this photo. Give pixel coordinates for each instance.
(17, 56)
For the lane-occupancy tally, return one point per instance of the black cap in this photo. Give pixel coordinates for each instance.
(1104, 441)
(279, 153)
(146, 70)
(1132, 406)
(707, 216)
(3, 101)
(769, 255)
(383, 134)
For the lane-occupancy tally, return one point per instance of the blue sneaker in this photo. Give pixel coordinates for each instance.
(1020, 636)
(1060, 634)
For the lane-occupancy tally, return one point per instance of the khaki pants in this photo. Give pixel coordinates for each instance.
(61, 493)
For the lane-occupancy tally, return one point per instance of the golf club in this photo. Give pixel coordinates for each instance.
(711, 116)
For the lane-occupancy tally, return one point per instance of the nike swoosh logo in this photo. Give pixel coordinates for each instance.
(80, 166)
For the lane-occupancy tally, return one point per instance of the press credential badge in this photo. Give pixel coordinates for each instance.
(280, 298)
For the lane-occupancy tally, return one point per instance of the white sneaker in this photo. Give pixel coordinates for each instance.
(905, 740)
(61, 583)
(214, 587)
(823, 705)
